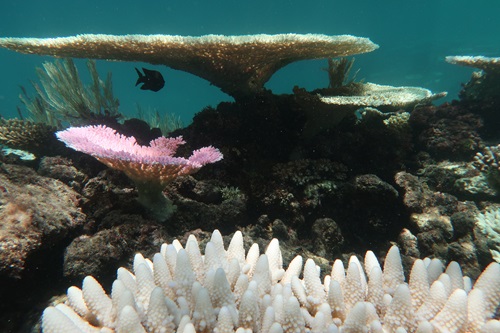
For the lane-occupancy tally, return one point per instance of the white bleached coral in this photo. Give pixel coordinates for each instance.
(226, 293)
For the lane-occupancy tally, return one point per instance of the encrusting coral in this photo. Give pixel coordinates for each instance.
(239, 65)
(151, 167)
(181, 290)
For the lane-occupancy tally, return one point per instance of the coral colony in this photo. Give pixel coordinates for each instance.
(181, 290)
(239, 65)
(151, 167)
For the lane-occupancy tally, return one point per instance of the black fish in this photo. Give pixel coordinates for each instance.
(153, 80)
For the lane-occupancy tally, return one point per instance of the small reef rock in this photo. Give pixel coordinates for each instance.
(37, 214)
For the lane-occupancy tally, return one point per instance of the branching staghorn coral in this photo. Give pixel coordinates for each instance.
(63, 98)
(225, 290)
(151, 167)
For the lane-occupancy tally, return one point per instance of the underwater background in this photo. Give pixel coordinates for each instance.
(414, 38)
(425, 177)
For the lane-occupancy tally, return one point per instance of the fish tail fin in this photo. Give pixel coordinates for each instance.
(141, 77)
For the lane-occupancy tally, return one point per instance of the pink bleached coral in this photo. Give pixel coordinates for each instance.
(150, 167)
(104, 142)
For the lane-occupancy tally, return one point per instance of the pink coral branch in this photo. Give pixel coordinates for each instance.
(105, 143)
(205, 156)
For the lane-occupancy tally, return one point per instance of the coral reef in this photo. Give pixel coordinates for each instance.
(459, 178)
(361, 137)
(304, 192)
(443, 225)
(239, 65)
(450, 131)
(207, 201)
(328, 181)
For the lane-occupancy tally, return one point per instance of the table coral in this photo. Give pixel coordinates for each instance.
(239, 65)
(488, 64)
